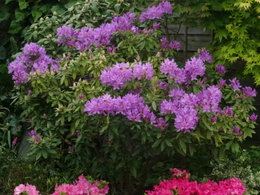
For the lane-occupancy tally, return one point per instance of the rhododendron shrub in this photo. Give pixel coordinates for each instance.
(180, 184)
(118, 103)
(80, 187)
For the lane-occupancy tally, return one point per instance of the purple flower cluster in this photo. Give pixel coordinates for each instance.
(156, 26)
(121, 73)
(193, 67)
(246, 91)
(32, 59)
(237, 131)
(210, 99)
(253, 117)
(185, 106)
(221, 83)
(162, 84)
(176, 93)
(228, 111)
(117, 75)
(249, 92)
(205, 56)
(156, 12)
(86, 37)
(141, 71)
(34, 136)
(131, 106)
(220, 69)
(170, 68)
(184, 110)
(66, 35)
(235, 84)
(173, 45)
(186, 120)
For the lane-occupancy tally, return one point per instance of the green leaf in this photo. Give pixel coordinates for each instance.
(183, 146)
(4, 14)
(57, 8)
(154, 105)
(36, 14)
(2, 53)
(38, 156)
(8, 1)
(15, 27)
(133, 172)
(19, 16)
(23, 4)
(156, 143)
(235, 147)
(168, 143)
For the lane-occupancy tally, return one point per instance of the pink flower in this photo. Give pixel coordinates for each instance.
(82, 187)
(181, 185)
(14, 141)
(30, 189)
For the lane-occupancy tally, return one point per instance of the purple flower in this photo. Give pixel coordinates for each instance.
(210, 98)
(214, 119)
(156, 12)
(221, 83)
(77, 134)
(170, 68)
(131, 106)
(189, 100)
(32, 133)
(117, 75)
(121, 73)
(173, 45)
(86, 37)
(162, 85)
(67, 35)
(156, 26)
(161, 123)
(34, 136)
(141, 71)
(81, 96)
(237, 131)
(220, 69)
(167, 107)
(194, 67)
(235, 84)
(29, 92)
(205, 56)
(147, 31)
(135, 29)
(249, 92)
(164, 43)
(111, 49)
(37, 139)
(103, 105)
(228, 111)
(253, 117)
(176, 93)
(124, 23)
(186, 119)
(32, 59)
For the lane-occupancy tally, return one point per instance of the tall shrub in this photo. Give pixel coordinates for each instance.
(113, 103)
